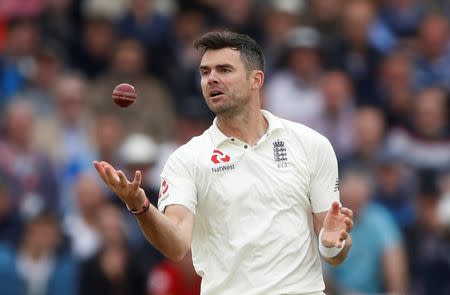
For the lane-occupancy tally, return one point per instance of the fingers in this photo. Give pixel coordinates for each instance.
(122, 179)
(137, 180)
(101, 171)
(348, 224)
(343, 237)
(347, 212)
(335, 207)
(111, 175)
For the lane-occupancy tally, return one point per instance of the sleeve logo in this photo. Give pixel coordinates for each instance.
(164, 190)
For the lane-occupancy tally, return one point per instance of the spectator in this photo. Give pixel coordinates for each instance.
(425, 144)
(39, 89)
(91, 54)
(58, 25)
(336, 117)
(81, 224)
(143, 23)
(153, 111)
(10, 222)
(325, 16)
(28, 171)
(428, 271)
(113, 270)
(395, 188)
(66, 137)
(183, 73)
(377, 263)
(369, 128)
(432, 65)
(279, 17)
(354, 54)
(395, 88)
(293, 91)
(108, 136)
(16, 59)
(37, 266)
(402, 17)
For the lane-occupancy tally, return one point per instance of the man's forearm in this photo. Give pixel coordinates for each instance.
(164, 234)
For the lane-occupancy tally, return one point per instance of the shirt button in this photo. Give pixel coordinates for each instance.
(245, 146)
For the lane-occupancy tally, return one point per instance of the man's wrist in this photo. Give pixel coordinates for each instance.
(329, 252)
(140, 210)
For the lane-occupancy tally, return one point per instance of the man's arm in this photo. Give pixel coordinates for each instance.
(170, 233)
(335, 225)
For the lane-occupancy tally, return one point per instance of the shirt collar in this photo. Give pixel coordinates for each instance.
(218, 137)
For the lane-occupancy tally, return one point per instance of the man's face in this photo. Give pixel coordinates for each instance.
(225, 82)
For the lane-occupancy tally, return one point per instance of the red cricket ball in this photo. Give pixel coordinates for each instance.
(124, 95)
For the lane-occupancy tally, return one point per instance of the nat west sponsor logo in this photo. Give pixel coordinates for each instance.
(219, 157)
(222, 168)
(164, 190)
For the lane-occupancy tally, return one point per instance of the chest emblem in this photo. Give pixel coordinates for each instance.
(219, 157)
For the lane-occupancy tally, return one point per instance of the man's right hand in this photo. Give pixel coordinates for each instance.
(130, 193)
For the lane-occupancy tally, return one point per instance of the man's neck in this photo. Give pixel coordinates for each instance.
(248, 126)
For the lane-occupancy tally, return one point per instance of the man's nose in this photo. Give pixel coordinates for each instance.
(212, 77)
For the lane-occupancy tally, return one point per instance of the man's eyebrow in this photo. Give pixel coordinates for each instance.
(205, 67)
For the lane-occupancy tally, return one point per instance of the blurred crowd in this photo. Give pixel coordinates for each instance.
(372, 76)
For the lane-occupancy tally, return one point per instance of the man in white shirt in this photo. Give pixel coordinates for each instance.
(251, 194)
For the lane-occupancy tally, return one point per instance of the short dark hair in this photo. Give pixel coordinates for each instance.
(250, 51)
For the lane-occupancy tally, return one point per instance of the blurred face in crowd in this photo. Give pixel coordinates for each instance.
(70, 95)
(226, 82)
(42, 235)
(389, 177)
(326, 10)
(111, 225)
(336, 89)
(369, 127)
(98, 37)
(434, 34)
(305, 62)
(396, 71)
(89, 194)
(108, 135)
(19, 123)
(235, 11)
(430, 114)
(129, 57)
(355, 191)
(277, 24)
(47, 69)
(23, 38)
(357, 19)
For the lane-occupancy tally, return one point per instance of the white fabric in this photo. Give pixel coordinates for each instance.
(289, 97)
(35, 273)
(253, 231)
(329, 252)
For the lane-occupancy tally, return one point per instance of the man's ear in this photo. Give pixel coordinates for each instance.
(257, 78)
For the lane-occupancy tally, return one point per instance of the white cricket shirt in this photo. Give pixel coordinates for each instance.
(253, 229)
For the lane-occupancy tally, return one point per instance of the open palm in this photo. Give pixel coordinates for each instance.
(336, 226)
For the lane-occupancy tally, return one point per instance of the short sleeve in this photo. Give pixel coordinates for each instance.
(178, 182)
(324, 185)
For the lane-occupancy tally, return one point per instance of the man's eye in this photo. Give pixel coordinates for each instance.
(226, 70)
(204, 73)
